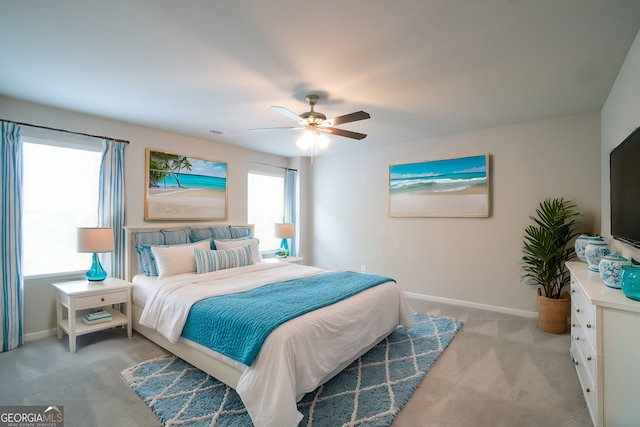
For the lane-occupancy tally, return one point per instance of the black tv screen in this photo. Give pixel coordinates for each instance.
(624, 163)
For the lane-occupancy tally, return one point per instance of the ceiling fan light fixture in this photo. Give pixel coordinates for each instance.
(306, 140)
(322, 140)
(316, 125)
(312, 138)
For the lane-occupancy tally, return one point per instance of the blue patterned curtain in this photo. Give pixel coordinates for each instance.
(290, 204)
(11, 278)
(111, 209)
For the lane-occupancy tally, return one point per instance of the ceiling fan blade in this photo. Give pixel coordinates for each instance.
(287, 113)
(348, 118)
(345, 133)
(280, 128)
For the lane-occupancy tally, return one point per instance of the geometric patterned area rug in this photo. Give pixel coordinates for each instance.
(370, 392)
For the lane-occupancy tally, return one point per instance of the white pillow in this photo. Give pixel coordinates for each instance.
(172, 260)
(236, 243)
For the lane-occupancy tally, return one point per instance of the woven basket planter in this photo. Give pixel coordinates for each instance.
(553, 313)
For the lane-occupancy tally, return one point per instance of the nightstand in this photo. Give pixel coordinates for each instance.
(289, 259)
(79, 296)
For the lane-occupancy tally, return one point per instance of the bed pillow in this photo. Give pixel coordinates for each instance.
(146, 261)
(172, 260)
(236, 243)
(220, 232)
(207, 260)
(238, 231)
(176, 237)
(197, 234)
(145, 255)
(147, 238)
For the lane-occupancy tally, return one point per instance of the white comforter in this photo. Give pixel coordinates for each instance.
(297, 356)
(168, 307)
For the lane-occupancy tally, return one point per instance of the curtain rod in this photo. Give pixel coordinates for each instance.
(274, 166)
(66, 131)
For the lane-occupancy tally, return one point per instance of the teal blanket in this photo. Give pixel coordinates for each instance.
(236, 325)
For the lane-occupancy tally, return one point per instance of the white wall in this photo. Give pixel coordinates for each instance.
(39, 297)
(475, 261)
(620, 116)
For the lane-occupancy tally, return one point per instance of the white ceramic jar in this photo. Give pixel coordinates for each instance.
(581, 244)
(594, 252)
(610, 267)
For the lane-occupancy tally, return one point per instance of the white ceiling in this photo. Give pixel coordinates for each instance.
(421, 68)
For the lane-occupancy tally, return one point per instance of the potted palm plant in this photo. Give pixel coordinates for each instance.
(546, 250)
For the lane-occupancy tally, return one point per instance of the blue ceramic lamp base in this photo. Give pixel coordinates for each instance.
(284, 249)
(96, 273)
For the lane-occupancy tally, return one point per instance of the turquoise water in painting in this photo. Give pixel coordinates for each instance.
(439, 176)
(193, 181)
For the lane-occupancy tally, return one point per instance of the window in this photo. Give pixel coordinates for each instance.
(60, 193)
(265, 207)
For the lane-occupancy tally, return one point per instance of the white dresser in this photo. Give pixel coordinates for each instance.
(605, 345)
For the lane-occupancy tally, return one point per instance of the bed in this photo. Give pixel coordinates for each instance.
(297, 355)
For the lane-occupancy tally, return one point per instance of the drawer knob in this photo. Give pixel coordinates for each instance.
(589, 358)
(589, 325)
(588, 389)
(577, 338)
(573, 325)
(573, 291)
(576, 362)
(577, 310)
(102, 299)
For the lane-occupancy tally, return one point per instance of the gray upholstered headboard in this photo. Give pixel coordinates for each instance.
(131, 256)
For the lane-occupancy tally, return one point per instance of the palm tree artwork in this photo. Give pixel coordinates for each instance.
(181, 187)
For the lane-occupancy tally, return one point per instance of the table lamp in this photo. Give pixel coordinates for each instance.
(284, 231)
(95, 240)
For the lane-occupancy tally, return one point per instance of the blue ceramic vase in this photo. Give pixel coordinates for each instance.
(630, 281)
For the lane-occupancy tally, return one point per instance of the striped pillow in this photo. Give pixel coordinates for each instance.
(176, 237)
(207, 261)
(197, 234)
(145, 259)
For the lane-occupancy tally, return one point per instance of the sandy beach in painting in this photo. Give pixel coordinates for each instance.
(186, 203)
(470, 201)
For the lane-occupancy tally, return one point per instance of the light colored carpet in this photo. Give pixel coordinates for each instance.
(370, 392)
(500, 370)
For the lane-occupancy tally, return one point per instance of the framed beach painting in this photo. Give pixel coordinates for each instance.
(457, 187)
(183, 188)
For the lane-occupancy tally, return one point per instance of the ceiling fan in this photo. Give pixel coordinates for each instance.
(317, 124)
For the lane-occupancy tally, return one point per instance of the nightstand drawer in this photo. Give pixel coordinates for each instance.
(99, 300)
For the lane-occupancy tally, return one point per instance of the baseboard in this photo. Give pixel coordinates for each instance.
(495, 308)
(39, 335)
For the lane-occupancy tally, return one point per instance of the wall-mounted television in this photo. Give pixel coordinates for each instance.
(624, 162)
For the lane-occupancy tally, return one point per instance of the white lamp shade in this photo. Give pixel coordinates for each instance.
(285, 231)
(93, 239)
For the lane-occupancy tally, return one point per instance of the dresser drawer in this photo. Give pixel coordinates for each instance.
(582, 309)
(587, 382)
(588, 357)
(99, 300)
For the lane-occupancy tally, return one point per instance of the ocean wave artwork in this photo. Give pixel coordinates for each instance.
(448, 187)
